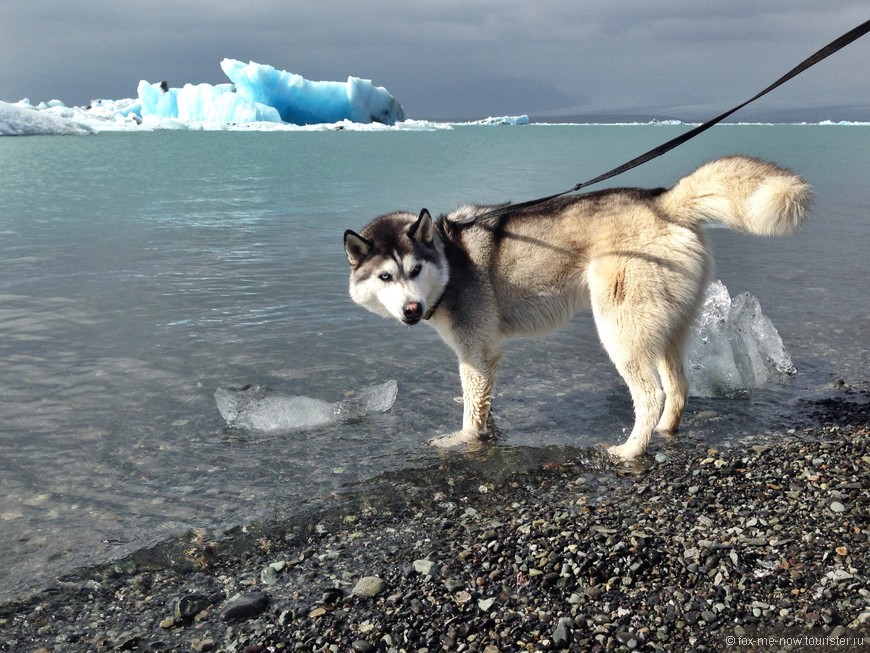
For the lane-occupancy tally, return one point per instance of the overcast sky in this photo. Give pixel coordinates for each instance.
(451, 58)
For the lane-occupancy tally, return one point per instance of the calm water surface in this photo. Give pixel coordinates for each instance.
(143, 271)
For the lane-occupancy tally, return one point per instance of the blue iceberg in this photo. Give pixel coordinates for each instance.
(261, 93)
(303, 102)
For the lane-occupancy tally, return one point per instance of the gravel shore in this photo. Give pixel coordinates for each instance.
(691, 549)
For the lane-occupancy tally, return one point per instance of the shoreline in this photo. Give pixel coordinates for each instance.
(692, 548)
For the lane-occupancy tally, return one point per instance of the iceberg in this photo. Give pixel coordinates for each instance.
(201, 103)
(501, 120)
(23, 119)
(253, 408)
(733, 347)
(303, 102)
(261, 93)
(256, 97)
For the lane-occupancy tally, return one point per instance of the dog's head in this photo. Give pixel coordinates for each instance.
(397, 266)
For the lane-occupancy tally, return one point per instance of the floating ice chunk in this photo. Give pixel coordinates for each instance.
(22, 119)
(201, 103)
(501, 120)
(710, 365)
(733, 346)
(758, 350)
(260, 93)
(304, 102)
(255, 409)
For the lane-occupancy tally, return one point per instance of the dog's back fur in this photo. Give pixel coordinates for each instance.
(638, 257)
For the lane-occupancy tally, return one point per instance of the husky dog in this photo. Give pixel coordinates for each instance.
(637, 257)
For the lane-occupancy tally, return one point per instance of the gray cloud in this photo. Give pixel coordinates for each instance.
(449, 58)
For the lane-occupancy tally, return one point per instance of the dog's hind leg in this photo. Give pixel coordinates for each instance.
(648, 399)
(676, 387)
(633, 330)
(635, 358)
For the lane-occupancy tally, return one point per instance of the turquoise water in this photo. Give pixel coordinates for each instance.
(143, 271)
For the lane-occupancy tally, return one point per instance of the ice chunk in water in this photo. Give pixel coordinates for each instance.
(255, 409)
(733, 347)
(758, 349)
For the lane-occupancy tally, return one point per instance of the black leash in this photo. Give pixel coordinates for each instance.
(825, 52)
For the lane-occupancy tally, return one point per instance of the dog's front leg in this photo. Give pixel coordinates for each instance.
(478, 380)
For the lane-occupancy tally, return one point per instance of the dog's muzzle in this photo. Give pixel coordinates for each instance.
(412, 313)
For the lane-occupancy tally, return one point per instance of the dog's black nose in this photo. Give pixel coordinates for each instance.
(413, 311)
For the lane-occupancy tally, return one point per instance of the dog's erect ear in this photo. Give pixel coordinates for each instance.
(356, 247)
(423, 231)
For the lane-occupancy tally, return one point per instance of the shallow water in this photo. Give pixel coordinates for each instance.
(144, 271)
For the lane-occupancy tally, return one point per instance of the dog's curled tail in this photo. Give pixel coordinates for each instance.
(746, 194)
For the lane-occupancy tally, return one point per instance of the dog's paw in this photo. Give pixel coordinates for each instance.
(456, 439)
(453, 439)
(626, 451)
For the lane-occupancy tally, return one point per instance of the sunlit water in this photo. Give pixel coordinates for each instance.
(143, 271)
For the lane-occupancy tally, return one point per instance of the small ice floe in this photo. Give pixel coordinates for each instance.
(733, 347)
(254, 408)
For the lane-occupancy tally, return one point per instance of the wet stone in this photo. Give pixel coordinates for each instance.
(245, 606)
(269, 576)
(187, 607)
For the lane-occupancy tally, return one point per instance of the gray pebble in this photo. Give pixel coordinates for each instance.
(269, 576)
(628, 639)
(424, 567)
(368, 586)
(708, 616)
(562, 634)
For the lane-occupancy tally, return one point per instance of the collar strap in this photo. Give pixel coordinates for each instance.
(434, 308)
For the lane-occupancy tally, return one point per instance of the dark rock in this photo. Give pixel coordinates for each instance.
(562, 634)
(332, 595)
(245, 606)
(708, 616)
(187, 607)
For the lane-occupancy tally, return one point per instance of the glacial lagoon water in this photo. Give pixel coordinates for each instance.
(144, 271)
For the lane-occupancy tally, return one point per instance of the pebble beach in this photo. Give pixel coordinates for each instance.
(760, 546)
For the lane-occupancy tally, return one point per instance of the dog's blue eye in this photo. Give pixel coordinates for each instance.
(416, 270)
(385, 276)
